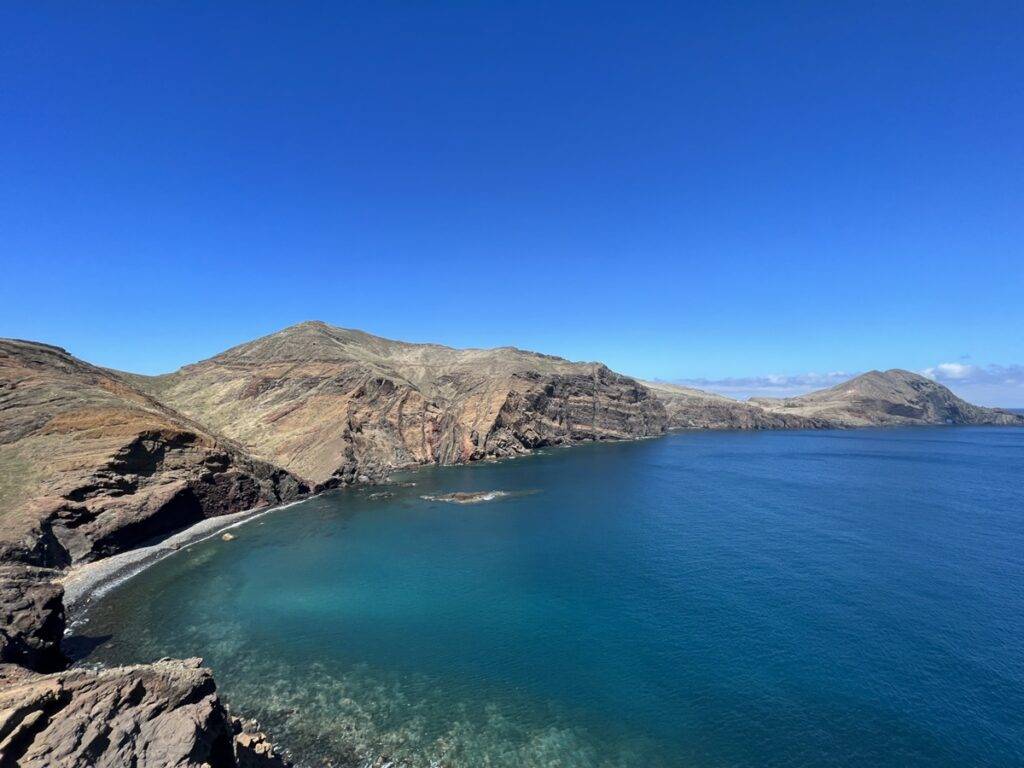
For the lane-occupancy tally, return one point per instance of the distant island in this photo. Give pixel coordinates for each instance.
(95, 463)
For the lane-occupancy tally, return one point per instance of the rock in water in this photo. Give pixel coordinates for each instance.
(466, 497)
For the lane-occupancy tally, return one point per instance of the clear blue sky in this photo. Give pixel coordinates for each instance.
(682, 190)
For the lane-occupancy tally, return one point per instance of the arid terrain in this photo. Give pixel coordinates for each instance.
(94, 462)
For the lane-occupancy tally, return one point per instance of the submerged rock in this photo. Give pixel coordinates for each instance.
(464, 497)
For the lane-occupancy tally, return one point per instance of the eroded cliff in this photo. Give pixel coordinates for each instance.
(90, 465)
(329, 403)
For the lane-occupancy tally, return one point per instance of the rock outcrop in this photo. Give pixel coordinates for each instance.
(91, 466)
(31, 617)
(330, 404)
(162, 715)
(887, 398)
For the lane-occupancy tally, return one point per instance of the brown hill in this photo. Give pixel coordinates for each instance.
(328, 403)
(888, 398)
(90, 465)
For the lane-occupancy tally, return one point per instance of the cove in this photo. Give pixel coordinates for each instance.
(841, 598)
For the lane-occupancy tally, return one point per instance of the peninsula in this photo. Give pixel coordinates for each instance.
(96, 462)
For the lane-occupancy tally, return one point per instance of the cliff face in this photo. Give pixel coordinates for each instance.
(688, 408)
(328, 403)
(90, 465)
(888, 398)
(31, 617)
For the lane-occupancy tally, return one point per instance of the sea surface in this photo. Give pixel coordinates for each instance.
(849, 598)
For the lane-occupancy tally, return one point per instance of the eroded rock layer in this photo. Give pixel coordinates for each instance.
(90, 465)
(329, 404)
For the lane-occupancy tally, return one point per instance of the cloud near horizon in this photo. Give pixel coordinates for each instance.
(990, 385)
(951, 373)
(773, 385)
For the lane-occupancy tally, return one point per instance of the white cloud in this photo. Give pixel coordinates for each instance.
(1005, 375)
(949, 371)
(772, 385)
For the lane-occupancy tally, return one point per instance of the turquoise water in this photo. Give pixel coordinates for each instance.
(706, 599)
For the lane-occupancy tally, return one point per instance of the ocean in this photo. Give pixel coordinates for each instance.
(834, 598)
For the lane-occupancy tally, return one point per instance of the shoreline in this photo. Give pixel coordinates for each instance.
(88, 581)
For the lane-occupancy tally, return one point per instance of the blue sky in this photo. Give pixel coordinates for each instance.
(707, 191)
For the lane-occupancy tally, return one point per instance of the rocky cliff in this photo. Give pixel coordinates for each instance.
(90, 465)
(887, 398)
(162, 715)
(328, 403)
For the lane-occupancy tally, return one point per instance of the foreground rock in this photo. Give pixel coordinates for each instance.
(161, 715)
(31, 617)
(888, 398)
(91, 466)
(330, 404)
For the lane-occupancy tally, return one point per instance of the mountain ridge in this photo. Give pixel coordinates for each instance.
(888, 398)
(328, 402)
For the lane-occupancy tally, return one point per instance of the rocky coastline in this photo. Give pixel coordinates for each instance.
(103, 472)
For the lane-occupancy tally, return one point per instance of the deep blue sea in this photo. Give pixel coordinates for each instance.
(849, 598)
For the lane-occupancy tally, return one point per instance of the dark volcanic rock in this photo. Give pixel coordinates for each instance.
(162, 715)
(31, 617)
